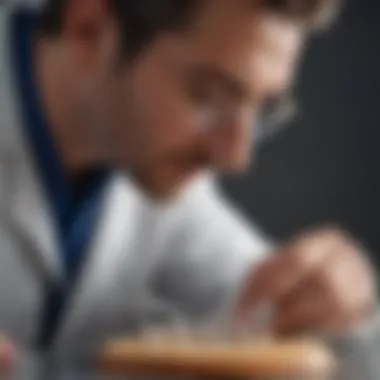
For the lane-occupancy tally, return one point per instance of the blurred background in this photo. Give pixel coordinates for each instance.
(325, 166)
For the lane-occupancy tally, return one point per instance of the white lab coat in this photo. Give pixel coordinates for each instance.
(192, 253)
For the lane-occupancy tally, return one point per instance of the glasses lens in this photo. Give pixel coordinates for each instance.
(274, 117)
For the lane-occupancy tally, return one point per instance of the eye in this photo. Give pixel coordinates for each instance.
(206, 94)
(211, 105)
(202, 95)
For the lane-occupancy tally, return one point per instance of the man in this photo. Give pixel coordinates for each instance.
(115, 115)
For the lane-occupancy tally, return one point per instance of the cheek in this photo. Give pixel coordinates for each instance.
(94, 110)
(164, 111)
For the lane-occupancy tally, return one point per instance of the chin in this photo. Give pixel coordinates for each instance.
(165, 194)
(164, 191)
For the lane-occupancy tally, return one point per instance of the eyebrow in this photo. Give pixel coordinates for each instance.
(235, 87)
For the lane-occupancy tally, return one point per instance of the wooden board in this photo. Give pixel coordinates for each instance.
(263, 358)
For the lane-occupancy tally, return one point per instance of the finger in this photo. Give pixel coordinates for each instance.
(256, 286)
(327, 299)
(349, 287)
(267, 283)
(283, 272)
(300, 311)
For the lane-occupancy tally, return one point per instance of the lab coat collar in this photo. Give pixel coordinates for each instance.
(24, 200)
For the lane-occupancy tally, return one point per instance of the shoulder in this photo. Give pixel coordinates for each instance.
(200, 200)
(204, 201)
(204, 212)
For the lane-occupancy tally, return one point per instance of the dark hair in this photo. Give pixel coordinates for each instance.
(141, 20)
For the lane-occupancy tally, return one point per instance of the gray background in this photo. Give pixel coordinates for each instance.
(324, 167)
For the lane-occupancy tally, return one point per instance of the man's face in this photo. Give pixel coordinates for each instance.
(190, 100)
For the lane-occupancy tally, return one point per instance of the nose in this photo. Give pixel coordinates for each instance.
(231, 142)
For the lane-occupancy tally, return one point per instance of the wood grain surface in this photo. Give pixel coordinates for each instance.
(260, 359)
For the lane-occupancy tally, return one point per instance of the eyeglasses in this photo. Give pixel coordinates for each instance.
(274, 119)
(268, 121)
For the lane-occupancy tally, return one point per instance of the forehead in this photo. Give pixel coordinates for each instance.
(255, 45)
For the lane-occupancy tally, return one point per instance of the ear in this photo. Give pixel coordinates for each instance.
(83, 20)
(84, 27)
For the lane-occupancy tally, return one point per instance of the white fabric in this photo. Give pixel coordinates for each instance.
(136, 245)
(191, 254)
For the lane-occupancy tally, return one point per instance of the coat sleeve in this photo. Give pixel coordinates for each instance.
(211, 248)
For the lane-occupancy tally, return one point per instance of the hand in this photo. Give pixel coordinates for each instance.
(320, 281)
(7, 355)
